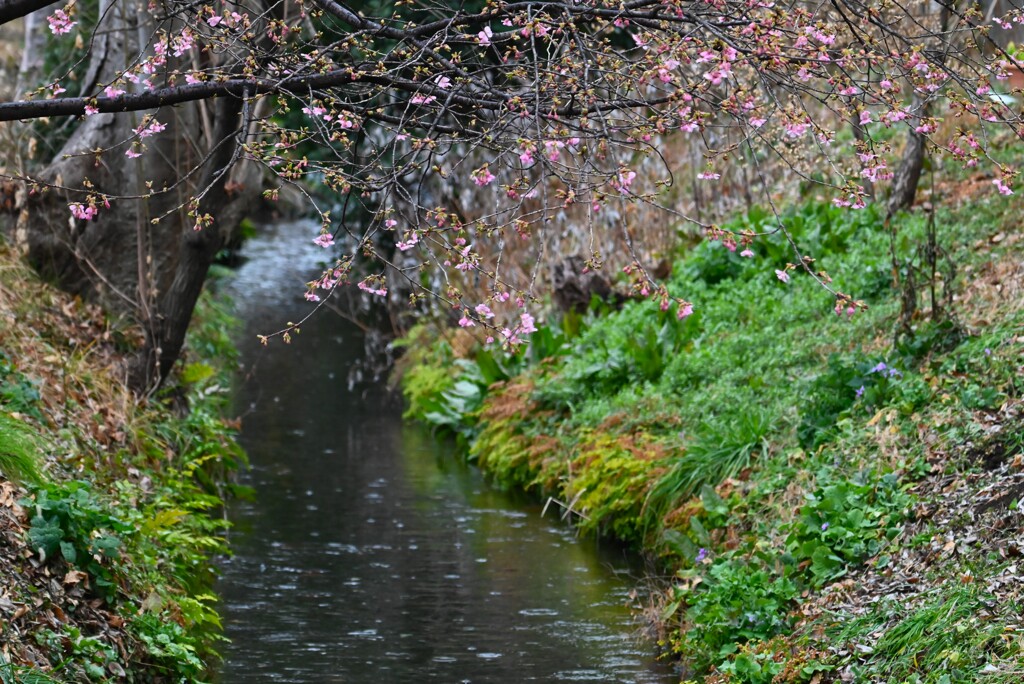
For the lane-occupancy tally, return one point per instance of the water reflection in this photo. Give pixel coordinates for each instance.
(372, 555)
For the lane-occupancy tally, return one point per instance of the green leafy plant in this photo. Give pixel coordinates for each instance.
(739, 601)
(751, 667)
(71, 522)
(866, 382)
(82, 655)
(169, 645)
(846, 522)
(18, 394)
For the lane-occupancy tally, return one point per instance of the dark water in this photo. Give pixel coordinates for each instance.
(372, 555)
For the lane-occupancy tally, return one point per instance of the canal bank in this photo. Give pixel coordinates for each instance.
(109, 504)
(829, 503)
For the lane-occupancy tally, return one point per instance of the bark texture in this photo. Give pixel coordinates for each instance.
(908, 175)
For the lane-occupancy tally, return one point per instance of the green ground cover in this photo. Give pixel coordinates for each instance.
(800, 475)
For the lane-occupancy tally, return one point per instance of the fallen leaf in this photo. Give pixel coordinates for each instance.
(75, 576)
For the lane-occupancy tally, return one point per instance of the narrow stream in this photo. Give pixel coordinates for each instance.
(371, 554)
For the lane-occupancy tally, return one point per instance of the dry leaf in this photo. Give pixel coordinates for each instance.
(75, 576)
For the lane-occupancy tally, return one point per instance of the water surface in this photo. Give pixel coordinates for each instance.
(370, 554)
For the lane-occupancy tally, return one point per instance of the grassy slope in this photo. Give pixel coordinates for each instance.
(819, 516)
(108, 506)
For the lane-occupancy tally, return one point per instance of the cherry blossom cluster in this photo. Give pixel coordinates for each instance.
(461, 133)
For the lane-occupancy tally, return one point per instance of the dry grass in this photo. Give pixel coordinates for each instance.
(69, 351)
(996, 290)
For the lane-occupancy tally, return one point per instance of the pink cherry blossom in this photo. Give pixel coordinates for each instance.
(324, 240)
(152, 128)
(782, 275)
(408, 243)
(83, 212)
(366, 287)
(60, 23)
(796, 129)
(625, 179)
(1003, 188)
(483, 176)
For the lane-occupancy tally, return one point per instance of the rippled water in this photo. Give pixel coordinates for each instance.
(371, 554)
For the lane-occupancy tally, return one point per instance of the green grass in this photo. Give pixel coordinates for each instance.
(955, 636)
(19, 451)
(719, 452)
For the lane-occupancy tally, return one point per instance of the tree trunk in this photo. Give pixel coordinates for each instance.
(908, 175)
(196, 251)
(32, 52)
(140, 256)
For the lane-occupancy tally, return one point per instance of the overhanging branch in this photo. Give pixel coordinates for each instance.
(15, 9)
(162, 97)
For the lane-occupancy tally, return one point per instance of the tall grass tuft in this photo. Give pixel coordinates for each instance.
(20, 674)
(19, 451)
(720, 451)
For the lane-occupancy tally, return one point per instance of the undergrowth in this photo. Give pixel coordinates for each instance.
(765, 449)
(117, 521)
